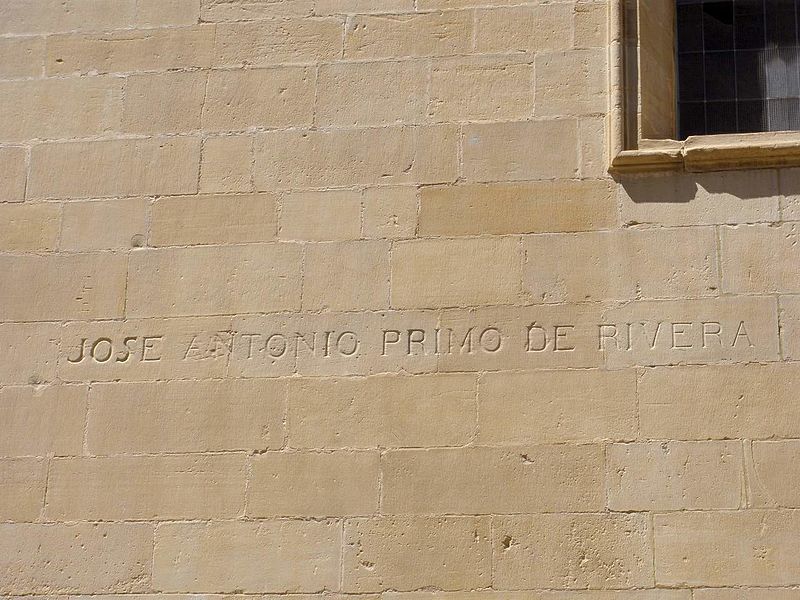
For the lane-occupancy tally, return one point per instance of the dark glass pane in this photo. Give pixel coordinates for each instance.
(690, 28)
(721, 117)
(692, 118)
(751, 116)
(750, 74)
(718, 25)
(780, 67)
(781, 26)
(749, 16)
(691, 77)
(783, 114)
(720, 76)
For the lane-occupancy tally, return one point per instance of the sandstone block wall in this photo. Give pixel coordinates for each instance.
(335, 299)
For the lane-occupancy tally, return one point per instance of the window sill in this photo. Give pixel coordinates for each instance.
(712, 153)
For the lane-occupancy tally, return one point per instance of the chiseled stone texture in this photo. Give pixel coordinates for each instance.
(338, 300)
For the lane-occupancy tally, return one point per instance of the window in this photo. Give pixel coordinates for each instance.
(705, 84)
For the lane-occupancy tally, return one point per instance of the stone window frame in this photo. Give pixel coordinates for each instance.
(641, 115)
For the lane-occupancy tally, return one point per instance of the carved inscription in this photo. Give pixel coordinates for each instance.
(524, 339)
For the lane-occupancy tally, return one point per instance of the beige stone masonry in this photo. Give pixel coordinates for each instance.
(675, 476)
(310, 484)
(390, 212)
(29, 227)
(21, 57)
(321, 216)
(155, 13)
(490, 481)
(23, 481)
(30, 352)
(53, 16)
(41, 288)
(324, 7)
(760, 548)
(524, 28)
(570, 83)
(238, 10)
(227, 165)
(518, 151)
(186, 416)
(146, 488)
(407, 553)
(75, 558)
(761, 259)
(130, 167)
(717, 402)
(556, 406)
(213, 219)
(790, 326)
(652, 594)
(43, 420)
(622, 265)
(563, 551)
(409, 35)
(272, 42)
(438, 274)
(13, 174)
(744, 593)
(283, 556)
(127, 51)
(248, 278)
(178, 97)
(103, 225)
(540, 207)
(775, 473)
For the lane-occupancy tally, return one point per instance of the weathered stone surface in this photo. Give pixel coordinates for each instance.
(52, 16)
(622, 265)
(541, 207)
(311, 484)
(761, 259)
(252, 278)
(237, 10)
(790, 326)
(146, 488)
(29, 227)
(80, 286)
(565, 551)
(718, 402)
(213, 219)
(156, 13)
(390, 212)
(675, 476)
(131, 167)
(30, 352)
(227, 165)
(775, 473)
(384, 412)
(21, 57)
(525, 28)
(75, 558)
(321, 216)
(759, 548)
(13, 174)
(570, 83)
(490, 481)
(178, 96)
(105, 225)
(252, 557)
(186, 416)
(23, 481)
(408, 553)
(556, 406)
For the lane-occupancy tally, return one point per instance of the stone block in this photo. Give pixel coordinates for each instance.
(160, 13)
(666, 476)
(776, 472)
(444, 273)
(29, 227)
(129, 167)
(23, 481)
(60, 108)
(556, 406)
(164, 102)
(572, 551)
(104, 225)
(382, 412)
(21, 57)
(761, 259)
(250, 278)
(521, 150)
(311, 484)
(213, 219)
(13, 174)
(51, 16)
(76, 558)
(186, 416)
(408, 553)
(59, 287)
(390, 212)
(243, 10)
(321, 216)
(30, 352)
(529, 479)
(571, 83)
(160, 49)
(537, 207)
(247, 557)
(273, 98)
(346, 276)
(758, 548)
(146, 488)
(227, 165)
(409, 35)
(621, 265)
(524, 28)
(720, 402)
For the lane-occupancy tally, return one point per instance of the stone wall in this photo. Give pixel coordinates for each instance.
(335, 299)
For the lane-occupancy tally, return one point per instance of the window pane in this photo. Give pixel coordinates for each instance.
(738, 65)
